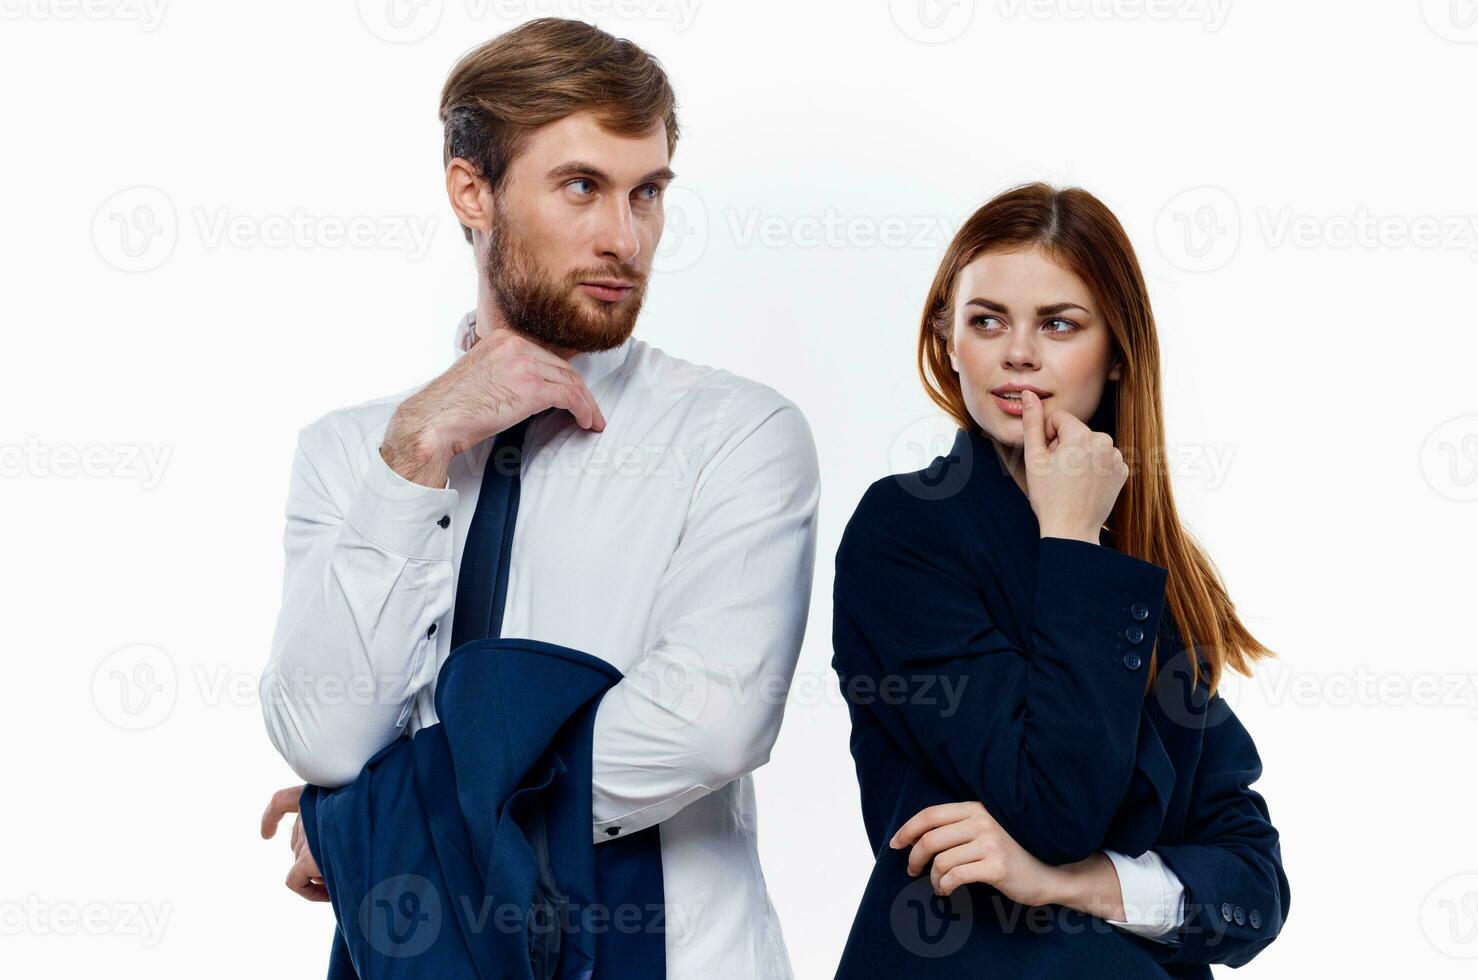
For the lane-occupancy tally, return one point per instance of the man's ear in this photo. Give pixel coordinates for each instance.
(470, 195)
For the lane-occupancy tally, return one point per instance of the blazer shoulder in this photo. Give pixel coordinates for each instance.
(898, 517)
(936, 495)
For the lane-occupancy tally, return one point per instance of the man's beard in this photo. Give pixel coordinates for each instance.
(548, 310)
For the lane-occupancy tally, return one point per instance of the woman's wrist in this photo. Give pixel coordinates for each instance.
(1077, 534)
(1090, 886)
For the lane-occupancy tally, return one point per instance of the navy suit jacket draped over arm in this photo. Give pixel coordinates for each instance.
(983, 662)
(465, 851)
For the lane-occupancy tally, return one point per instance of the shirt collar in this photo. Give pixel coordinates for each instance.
(592, 366)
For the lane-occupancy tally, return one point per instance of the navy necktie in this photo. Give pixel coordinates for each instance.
(483, 579)
(632, 865)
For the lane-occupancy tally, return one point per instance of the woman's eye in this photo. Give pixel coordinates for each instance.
(980, 320)
(1067, 326)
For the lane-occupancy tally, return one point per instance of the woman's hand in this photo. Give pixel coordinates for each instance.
(1073, 474)
(964, 844)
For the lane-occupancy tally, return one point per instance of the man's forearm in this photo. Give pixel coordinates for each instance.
(412, 448)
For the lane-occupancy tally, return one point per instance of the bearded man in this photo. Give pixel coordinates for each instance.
(665, 511)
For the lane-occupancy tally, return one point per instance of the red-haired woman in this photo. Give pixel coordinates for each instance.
(1051, 785)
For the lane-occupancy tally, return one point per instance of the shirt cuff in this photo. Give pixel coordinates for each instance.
(1154, 898)
(401, 516)
(645, 817)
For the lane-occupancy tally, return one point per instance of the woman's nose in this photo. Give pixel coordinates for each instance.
(1021, 349)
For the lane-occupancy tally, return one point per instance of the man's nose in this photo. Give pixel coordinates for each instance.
(618, 239)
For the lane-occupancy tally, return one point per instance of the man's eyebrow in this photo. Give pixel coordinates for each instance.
(1051, 309)
(579, 168)
(661, 173)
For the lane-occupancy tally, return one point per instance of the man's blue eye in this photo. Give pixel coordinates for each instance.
(582, 183)
(650, 191)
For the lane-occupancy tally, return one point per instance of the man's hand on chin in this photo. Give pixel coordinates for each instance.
(303, 877)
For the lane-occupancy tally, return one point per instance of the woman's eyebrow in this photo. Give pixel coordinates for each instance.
(1050, 309)
(1055, 308)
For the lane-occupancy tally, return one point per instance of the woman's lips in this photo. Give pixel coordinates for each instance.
(608, 294)
(1012, 406)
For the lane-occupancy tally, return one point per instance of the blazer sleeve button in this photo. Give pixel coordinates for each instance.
(1140, 611)
(1226, 911)
(1254, 919)
(1132, 661)
(1239, 915)
(1134, 634)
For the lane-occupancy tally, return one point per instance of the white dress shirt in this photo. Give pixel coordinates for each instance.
(677, 545)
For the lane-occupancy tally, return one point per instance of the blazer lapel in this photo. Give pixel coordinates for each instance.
(1009, 516)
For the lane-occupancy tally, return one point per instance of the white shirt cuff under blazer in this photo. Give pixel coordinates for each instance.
(1154, 898)
(678, 545)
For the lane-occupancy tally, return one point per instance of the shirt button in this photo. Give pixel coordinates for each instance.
(1226, 911)
(612, 831)
(1140, 611)
(1134, 634)
(1132, 661)
(1239, 915)
(445, 520)
(431, 631)
(1254, 919)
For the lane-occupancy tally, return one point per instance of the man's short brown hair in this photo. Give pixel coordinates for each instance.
(538, 73)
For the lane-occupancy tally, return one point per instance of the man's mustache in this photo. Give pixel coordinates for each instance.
(626, 273)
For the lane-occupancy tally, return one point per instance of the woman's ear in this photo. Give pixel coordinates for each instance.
(949, 348)
(1115, 371)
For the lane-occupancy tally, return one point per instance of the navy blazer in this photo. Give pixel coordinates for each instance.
(467, 850)
(981, 661)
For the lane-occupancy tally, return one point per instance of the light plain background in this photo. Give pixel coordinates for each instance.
(223, 220)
